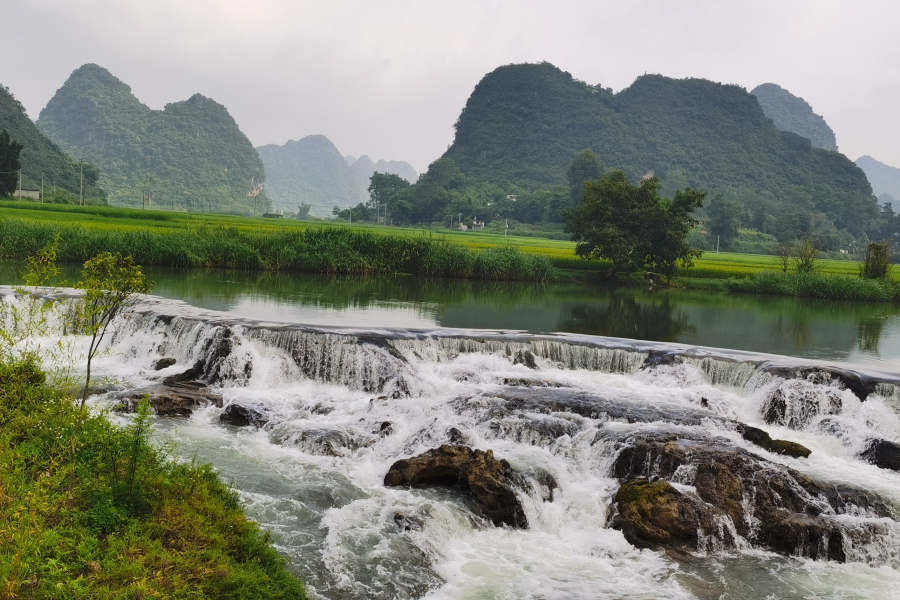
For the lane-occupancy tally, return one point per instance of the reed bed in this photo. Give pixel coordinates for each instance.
(810, 285)
(320, 250)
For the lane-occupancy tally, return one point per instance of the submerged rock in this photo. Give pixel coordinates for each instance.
(162, 363)
(860, 385)
(242, 416)
(322, 441)
(525, 357)
(769, 505)
(762, 439)
(795, 404)
(490, 481)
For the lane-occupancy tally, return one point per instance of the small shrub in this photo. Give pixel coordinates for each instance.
(806, 253)
(878, 261)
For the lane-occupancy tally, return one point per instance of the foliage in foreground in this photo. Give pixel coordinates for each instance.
(134, 526)
(334, 250)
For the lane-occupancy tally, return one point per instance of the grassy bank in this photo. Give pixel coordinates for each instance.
(809, 285)
(319, 250)
(134, 525)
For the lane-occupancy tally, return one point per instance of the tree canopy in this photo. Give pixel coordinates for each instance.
(9, 163)
(725, 216)
(632, 226)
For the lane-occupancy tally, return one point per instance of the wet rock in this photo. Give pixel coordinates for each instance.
(386, 428)
(764, 440)
(243, 416)
(882, 453)
(316, 440)
(656, 515)
(530, 383)
(536, 430)
(211, 368)
(795, 404)
(162, 363)
(525, 357)
(657, 358)
(595, 407)
(860, 385)
(405, 523)
(768, 504)
(490, 481)
(456, 436)
(171, 400)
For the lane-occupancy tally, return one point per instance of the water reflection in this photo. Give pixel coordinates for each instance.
(830, 330)
(623, 315)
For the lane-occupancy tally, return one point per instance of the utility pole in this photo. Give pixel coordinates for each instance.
(81, 187)
(20, 184)
(717, 244)
(42, 189)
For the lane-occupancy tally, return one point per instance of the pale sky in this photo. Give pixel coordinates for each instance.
(389, 78)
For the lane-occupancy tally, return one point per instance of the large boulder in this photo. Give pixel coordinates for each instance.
(769, 505)
(242, 416)
(882, 453)
(492, 482)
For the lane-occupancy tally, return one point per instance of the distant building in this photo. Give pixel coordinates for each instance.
(463, 227)
(30, 194)
(477, 225)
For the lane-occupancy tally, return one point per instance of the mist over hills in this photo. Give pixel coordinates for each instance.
(312, 171)
(792, 113)
(885, 180)
(190, 156)
(40, 157)
(522, 125)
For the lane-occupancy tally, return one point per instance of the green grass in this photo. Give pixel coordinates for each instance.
(209, 240)
(809, 285)
(170, 531)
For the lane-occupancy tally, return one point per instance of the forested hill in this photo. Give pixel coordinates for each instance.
(310, 171)
(40, 157)
(523, 124)
(363, 168)
(792, 113)
(885, 180)
(190, 156)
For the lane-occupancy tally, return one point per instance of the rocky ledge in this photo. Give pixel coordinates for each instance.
(706, 495)
(492, 482)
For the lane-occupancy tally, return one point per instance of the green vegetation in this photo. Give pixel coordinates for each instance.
(9, 163)
(189, 156)
(523, 124)
(135, 525)
(810, 285)
(794, 114)
(41, 157)
(632, 226)
(321, 250)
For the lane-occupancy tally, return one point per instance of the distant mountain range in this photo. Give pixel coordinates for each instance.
(40, 157)
(885, 180)
(189, 156)
(312, 171)
(523, 124)
(792, 113)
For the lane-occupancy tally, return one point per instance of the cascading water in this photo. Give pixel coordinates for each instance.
(575, 416)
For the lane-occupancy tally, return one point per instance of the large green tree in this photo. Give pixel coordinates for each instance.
(9, 163)
(383, 188)
(586, 166)
(633, 226)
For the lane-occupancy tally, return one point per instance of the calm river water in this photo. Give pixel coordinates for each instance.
(861, 333)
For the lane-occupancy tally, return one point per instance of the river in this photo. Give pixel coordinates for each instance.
(331, 361)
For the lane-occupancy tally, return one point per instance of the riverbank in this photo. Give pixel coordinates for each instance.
(157, 238)
(135, 524)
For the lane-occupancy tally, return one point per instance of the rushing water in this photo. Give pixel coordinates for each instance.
(314, 473)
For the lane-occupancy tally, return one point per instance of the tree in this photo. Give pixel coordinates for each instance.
(303, 211)
(634, 227)
(110, 284)
(806, 255)
(586, 166)
(725, 215)
(383, 188)
(9, 164)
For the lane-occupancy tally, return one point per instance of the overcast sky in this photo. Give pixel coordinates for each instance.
(389, 78)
